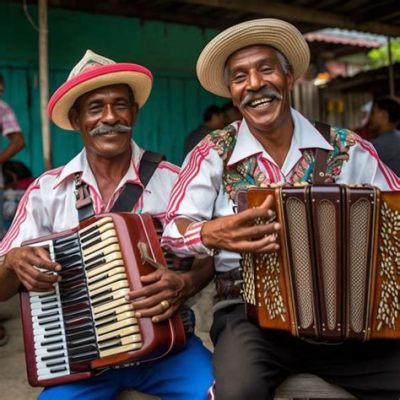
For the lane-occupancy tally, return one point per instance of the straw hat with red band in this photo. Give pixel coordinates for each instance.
(266, 31)
(93, 72)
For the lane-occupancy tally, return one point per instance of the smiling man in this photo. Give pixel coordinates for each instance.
(101, 100)
(256, 64)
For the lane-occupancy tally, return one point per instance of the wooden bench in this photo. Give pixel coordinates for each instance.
(301, 386)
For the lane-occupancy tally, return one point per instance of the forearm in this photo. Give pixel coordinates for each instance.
(9, 283)
(16, 144)
(200, 274)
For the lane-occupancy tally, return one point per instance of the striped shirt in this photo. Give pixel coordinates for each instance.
(48, 205)
(198, 193)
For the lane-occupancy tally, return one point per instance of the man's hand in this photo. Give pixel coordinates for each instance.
(238, 232)
(163, 293)
(25, 261)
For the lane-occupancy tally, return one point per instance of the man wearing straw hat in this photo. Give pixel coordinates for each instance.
(101, 100)
(256, 63)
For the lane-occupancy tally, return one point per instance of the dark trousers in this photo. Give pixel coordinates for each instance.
(249, 363)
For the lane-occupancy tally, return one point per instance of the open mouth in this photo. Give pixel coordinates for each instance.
(261, 103)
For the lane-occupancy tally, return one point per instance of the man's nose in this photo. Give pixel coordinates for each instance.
(109, 115)
(255, 81)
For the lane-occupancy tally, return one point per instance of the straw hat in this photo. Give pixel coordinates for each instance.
(92, 72)
(266, 31)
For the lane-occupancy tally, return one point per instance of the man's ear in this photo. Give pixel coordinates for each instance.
(290, 80)
(73, 117)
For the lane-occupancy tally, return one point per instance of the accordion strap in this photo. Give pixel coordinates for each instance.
(321, 155)
(129, 196)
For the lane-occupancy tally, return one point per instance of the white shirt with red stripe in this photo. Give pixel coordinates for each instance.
(48, 205)
(199, 196)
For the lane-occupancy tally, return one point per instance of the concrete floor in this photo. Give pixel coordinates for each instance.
(13, 381)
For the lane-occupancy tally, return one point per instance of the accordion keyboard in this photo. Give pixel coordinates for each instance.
(86, 317)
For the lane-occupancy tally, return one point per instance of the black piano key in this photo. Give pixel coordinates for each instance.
(110, 343)
(71, 275)
(52, 328)
(49, 308)
(92, 263)
(72, 285)
(51, 342)
(77, 327)
(78, 358)
(49, 300)
(65, 239)
(50, 321)
(77, 314)
(51, 335)
(89, 231)
(60, 369)
(61, 246)
(48, 315)
(68, 259)
(72, 344)
(89, 332)
(53, 357)
(53, 349)
(94, 242)
(46, 295)
(89, 348)
(55, 363)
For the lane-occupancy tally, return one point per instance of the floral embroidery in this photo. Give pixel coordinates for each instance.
(247, 173)
(341, 140)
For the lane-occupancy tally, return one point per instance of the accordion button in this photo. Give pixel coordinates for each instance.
(321, 174)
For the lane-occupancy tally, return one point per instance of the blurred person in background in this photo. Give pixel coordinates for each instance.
(383, 122)
(213, 118)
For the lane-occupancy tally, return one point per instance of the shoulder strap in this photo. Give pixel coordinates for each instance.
(321, 155)
(132, 192)
(84, 204)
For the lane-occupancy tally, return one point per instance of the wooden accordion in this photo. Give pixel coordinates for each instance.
(336, 275)
(86, 324)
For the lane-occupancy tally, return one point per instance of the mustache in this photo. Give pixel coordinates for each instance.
(104, 129)
(265, 91)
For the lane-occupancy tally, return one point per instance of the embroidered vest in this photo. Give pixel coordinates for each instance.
(247, 173)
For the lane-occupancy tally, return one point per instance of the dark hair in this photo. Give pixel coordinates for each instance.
(1, 79)
(391, 106)
(210, 111)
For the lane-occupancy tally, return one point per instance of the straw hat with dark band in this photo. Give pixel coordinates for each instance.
(267, 31)
(93, 72)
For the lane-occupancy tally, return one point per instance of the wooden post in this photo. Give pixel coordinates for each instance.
(44, 83)
(390, 67)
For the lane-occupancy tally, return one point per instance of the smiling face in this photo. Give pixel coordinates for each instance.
(106, 107)
(259, 87)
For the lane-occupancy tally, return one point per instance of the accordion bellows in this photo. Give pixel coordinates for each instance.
(336, 275)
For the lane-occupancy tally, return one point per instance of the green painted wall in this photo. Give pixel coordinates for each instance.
(169, 50)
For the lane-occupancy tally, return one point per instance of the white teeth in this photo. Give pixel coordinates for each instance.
(256, 103)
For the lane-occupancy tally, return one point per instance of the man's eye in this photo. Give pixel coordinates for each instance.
(94, 109)
(121, 105)
(238, 77)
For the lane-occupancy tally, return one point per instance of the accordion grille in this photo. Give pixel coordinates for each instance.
(300, 252)
(327, 241)
(358, 261)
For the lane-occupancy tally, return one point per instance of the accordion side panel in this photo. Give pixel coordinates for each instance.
(300, 260)
(361, 204)
(386, 309)
(325, 205)
(273, 309)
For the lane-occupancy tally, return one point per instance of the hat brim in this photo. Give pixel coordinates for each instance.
(137, 77)
(266, 31)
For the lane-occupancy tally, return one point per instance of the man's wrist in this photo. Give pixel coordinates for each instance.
(193, 239)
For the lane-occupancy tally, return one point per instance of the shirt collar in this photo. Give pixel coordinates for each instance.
(79, 164)
(305, 135)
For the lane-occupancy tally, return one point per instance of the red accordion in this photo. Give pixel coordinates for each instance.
(86, 324)
(336, 275)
